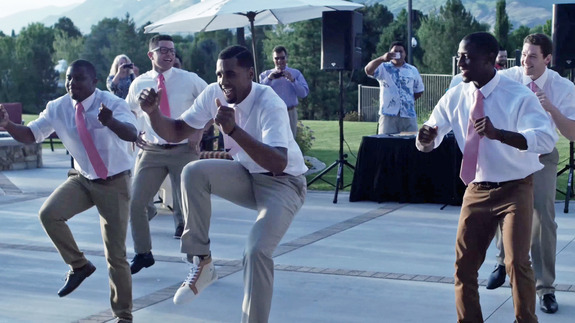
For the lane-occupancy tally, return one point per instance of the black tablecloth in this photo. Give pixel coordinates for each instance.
(390, 168)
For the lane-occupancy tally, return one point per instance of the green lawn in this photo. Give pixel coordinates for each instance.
(326, 148)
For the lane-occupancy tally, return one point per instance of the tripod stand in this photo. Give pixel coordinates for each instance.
(569, 167)
(341, 161)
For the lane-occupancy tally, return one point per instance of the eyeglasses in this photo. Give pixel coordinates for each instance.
(164, 50)
(279, 58)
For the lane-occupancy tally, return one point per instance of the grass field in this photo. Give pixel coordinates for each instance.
(326, 148)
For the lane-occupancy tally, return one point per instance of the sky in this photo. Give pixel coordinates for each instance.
(11, 7)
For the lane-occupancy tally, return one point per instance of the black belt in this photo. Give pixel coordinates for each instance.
(272, 174)
(110, 178)
(491, 185)
(167, 146)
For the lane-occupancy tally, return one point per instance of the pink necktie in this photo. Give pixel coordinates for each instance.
(93, 154)
(164, 104)
(533, 86)
(471, 150)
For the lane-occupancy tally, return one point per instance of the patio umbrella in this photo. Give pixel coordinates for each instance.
(212, 15)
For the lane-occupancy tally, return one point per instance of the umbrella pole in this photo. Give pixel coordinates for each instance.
(251, 16)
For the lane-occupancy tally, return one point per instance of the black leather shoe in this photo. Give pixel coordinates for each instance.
(548, 303)
(179, 231)
(497, 277)
(75, 277)
(141, 260)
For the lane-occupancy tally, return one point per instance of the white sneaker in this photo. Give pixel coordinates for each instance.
(202, 274)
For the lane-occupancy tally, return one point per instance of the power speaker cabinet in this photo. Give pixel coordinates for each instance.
(341, 40)
(564, 36)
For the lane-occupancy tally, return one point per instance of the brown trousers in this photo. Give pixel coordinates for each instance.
(483, 207)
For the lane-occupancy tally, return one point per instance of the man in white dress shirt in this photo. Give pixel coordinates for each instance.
(159, 157)
(512, 131)
(266, 175)
(110, 124)
(557, 96)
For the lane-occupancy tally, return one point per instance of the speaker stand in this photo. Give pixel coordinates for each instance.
(569, 193)
(341, 161)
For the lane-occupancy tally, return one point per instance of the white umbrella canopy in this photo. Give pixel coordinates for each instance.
(210, 15)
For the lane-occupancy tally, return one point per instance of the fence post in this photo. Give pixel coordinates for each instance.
(359, 102)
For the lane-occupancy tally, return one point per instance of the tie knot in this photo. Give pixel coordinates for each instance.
(79, 106)
(533, 86)
(478, 95)
(161, 78)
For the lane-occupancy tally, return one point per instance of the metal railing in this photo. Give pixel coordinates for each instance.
(435, 87)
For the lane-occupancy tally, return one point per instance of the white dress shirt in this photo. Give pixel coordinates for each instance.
(262, 114)
(183, 88)
(559, 90)
(59, 116)
(510, 106)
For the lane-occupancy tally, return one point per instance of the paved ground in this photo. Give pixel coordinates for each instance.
(344, 262)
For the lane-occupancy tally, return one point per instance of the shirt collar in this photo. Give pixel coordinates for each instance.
(247, 102)
(540, 82)
(166, 74)
(87, 103)
(487, 88)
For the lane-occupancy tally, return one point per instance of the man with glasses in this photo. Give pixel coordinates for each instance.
(287, 82)
(159, 157)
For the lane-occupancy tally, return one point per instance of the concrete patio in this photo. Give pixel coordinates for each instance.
(345, 262)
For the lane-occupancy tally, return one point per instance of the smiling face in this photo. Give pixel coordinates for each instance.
(533, 61)
(162, 62)
(79, 83)
(234, 80)
(476, 67)
(280, 60)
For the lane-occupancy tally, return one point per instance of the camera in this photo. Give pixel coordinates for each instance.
(131, 65)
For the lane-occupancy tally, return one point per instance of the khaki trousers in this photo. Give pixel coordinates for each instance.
(151, 169)
(276, 199)
(395, 124)
(544, 231)
(292, 113)
(112, 199)
(481, 212)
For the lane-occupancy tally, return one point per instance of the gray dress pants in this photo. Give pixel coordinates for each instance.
(276, 199)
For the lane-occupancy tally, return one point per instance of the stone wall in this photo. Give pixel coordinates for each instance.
(15, 155)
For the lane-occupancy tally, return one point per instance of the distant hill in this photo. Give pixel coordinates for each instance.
(90, 12)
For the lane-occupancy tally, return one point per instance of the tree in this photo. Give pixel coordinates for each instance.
(376, 20)
(516, 37)
(502, 25)
(112, 37)
(66, 26)
(34, 80)
(440, 34)
(397, 31)
(303, 42)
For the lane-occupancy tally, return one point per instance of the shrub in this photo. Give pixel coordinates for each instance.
(304, 137)
(351, 116)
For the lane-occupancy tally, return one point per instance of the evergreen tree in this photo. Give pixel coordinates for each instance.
(440, 34)
(502, 25)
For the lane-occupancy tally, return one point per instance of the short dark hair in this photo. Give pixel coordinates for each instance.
(484, 43)
(156, 39)
(542, 41)
(89, 67)
(279, 49)
(397, 43)
(242, 54)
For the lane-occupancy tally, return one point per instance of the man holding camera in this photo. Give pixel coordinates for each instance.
(287, 82)
(400, 85)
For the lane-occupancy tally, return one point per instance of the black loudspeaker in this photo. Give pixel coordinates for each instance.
(341, 40)
(563, 35)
